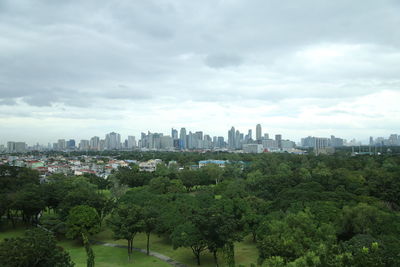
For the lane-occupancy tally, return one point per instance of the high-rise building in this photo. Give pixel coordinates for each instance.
(278, 139)
(113, 141)
(258, 132)
(166, 142)
(131, 142)
(62, 145)
(174, 134)
(16, 147)
(84, 145)
(94, 143)
(220, 142)
(71, 144)
(182, 139)
(231, 138)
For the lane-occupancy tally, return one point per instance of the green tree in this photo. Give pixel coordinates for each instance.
(82, 219)
(188, 235)
(125, 222)
(37, 248)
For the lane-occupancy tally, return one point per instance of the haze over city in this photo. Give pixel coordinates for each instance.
(80, 69)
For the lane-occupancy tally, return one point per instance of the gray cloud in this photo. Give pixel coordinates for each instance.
(88, 53)
(223, 60)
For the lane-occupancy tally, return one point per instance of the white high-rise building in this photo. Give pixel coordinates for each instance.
(95, 143)
(258, 132)
(131, 142)
(113, 141)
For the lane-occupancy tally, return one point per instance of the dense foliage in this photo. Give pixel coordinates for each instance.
(300, 210)
(37, 248)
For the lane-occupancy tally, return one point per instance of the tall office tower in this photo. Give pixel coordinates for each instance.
(94, 143)
(207, 142)
(278, 139)
(266, 136)
(199, 135)
(250, 134)
(220, 142)
(231, 138)
(143, 140)
(131, 142)
(102, 144)
(62, 145)
(84, 145)
(174, 134)
(371, 141)
(182, 139)
(237, 140)
(71, 144)
(190, 140)
(258, 132)
(18, 147)
(113, 141)
(166, 142)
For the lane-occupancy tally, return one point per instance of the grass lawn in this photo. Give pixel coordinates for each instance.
(110, 257)
(245, 251)
(104, 256)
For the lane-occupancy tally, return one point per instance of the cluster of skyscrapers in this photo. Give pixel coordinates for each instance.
(188, 140)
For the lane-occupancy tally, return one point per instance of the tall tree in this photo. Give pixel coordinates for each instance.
(125, 222)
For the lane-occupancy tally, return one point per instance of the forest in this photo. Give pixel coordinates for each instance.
(299, 210)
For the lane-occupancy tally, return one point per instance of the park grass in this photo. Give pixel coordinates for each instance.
(104, 256)
(109, 256)
(245, 251)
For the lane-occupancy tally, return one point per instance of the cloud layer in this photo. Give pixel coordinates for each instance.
(73, 69)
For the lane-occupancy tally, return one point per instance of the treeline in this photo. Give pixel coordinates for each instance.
(299, 210)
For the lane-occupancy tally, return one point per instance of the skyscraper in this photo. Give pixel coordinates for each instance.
(231, 138)
(113, 141)
(250, 134)
(278, 139)
(131, 142)
(182, 139)
(94, 143)
(174, 133)
(258, 132)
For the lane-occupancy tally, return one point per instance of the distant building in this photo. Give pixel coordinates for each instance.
(94, 143)
(149, 166)
(84, 145)
(113, 141)
(16, 147)
(131, 142)
(61, 144)
(71, 144)
(182, 139)
(278, 139)
(258, 132)
(253, 148)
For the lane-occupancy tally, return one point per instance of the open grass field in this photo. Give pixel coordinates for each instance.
(110, 257)
(245, 252)
(105, 256)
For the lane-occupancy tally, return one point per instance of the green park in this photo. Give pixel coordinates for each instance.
(270, 210)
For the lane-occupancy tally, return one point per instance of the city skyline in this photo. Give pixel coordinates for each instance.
(113, 140)
(81, 69)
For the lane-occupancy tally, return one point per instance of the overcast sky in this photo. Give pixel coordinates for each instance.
(75, 69)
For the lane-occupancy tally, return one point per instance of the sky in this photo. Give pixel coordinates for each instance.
(77, 69)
